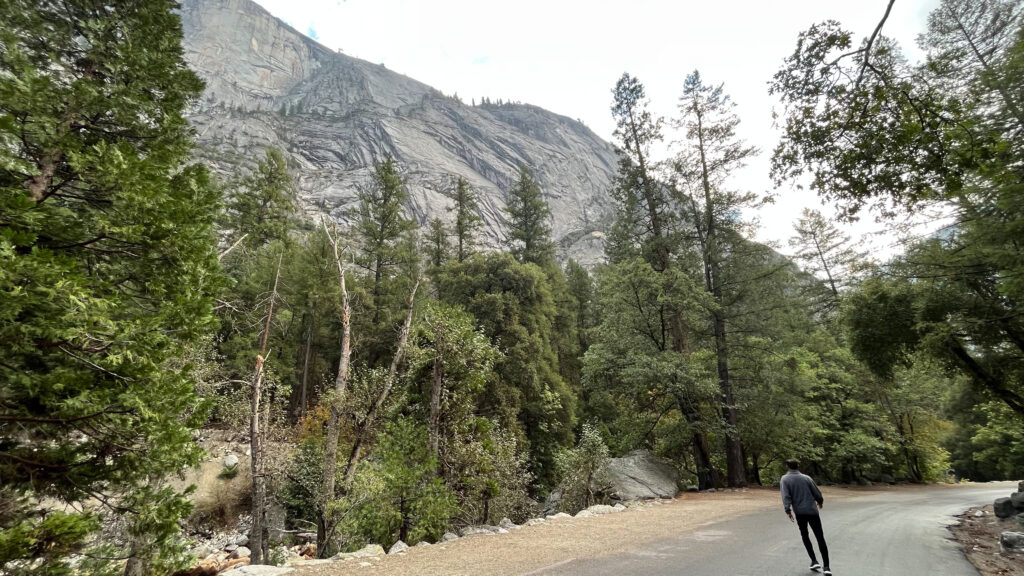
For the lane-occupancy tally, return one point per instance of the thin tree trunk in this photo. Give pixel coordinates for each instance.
(364, 428)
(256, 437)
(324, 525)
(435, 397)
(305, 367)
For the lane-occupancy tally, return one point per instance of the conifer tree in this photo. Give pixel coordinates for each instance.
(438, 248)
(263, 206)
(109, 266)
(712, 152)
(529, 233)
(467, 219)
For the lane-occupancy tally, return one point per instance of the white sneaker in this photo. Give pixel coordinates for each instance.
(827, 572)
(815, 566)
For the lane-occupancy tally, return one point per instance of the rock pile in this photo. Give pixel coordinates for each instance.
(1012, 540)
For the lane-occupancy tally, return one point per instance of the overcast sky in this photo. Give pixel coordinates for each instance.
(565, 56)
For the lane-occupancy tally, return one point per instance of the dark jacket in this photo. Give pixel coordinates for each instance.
(799, 493)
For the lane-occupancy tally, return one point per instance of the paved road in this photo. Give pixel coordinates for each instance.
(900, 533)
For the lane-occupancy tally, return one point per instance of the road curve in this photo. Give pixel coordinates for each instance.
(899, 532)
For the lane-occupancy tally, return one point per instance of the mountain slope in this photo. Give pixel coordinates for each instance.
(333, 115)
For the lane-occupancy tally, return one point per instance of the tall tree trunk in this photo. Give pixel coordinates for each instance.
(366, 425)
(735, 461)
(435, 397)
(707, 476)
(325, 525)
(256, 437)
(303, 402)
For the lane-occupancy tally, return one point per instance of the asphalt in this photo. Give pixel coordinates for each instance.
(900, 532)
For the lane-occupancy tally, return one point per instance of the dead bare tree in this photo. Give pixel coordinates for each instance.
(365, 426)
(257, 542)
(324, 525)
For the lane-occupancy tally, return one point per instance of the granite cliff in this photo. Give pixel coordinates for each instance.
(267, 85)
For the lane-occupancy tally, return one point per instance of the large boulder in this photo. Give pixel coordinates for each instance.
(639, 475)
(1020, 486)
(1004, 508)
(1017, 499)
(1012, 541)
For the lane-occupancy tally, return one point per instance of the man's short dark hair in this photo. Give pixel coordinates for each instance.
(793, 463)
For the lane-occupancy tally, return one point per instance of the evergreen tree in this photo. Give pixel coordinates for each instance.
(109, 267)
(529, 231)
(826, 250)
(264, 204)
(712, 153)
(383, 231)
(513, 304)
(438, 247)
(467, 219)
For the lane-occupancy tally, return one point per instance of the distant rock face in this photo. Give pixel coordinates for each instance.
(267, 85)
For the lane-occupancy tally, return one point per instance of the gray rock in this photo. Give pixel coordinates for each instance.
(230, 461)
(398, 547)
(534, 521)
(231, 547)
(340, 114)
(448, 537)
(599, 509)
(1017, 499)
(558, 516)
(241, 552)
(1004, 508)
(1020, 519)
(261, 570)
(551, 502)
(306, 536)
(584, 514)
(475, 531)
(619, 507)
(1012, 540)
(367, 551)
(979, 513)
(692, 488)
(507, 524)
(421, 544)
(887, 478)
(711, 490)
(1020, 486)
(240, 539)
(639, 475)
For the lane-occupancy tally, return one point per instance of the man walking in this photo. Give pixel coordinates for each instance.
(801, 496)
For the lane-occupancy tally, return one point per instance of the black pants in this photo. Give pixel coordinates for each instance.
(802, 520)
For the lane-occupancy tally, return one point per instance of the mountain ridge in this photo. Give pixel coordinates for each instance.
(333, 115)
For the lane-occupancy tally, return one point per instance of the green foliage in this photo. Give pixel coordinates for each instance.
(409, 502)
(579, 470)
(513, 305)
(108, 263)
(467, 219)
(263, 205)
(529, 230)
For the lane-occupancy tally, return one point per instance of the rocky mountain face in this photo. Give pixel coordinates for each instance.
(267, 85)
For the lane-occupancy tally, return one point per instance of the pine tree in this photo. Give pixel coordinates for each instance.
(712, 152)
(438, 248)
(109, 267)
(467, 219)
(529, 233)
(264, 205)
(383, 229)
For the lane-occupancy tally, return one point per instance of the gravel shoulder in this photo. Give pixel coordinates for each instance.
(533, 548)
(979, 538)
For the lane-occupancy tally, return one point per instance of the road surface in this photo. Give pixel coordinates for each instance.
(898, 533)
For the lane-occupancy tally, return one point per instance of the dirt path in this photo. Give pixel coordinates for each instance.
(979, 537)
(531, 548)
